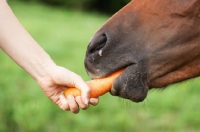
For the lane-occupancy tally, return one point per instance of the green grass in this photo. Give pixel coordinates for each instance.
(64, 34)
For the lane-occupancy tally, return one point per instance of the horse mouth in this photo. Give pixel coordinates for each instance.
(102, 73)
(130, 84)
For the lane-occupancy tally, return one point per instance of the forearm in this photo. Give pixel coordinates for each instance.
(20, 46)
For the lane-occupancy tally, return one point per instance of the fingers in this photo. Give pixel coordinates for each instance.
(80, 102)
(63, 103)
(72, 104)
(71, 79)
(85, 90)
(82, 105)
(69, 104)
(85, 99)
(94, 101)
(66, 78)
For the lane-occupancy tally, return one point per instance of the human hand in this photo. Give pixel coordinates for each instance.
(57, 81)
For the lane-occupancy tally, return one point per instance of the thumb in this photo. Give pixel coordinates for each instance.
(83, 87)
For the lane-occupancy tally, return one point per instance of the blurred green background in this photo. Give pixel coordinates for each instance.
(103, 6)
(64, 33)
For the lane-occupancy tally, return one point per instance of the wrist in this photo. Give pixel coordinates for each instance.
(43, 68)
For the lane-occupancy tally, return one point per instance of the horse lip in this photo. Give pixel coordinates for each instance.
(93, 76)
(101, 74)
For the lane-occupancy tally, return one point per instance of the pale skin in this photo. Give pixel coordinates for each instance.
(16, 42)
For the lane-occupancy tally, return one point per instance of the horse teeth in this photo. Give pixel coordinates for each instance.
(100, 52)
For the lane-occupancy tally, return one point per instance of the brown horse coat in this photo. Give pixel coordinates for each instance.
(157, 41)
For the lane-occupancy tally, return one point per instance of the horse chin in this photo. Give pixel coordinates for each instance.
(131, 84)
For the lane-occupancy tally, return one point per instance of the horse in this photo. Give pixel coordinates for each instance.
(157, 42)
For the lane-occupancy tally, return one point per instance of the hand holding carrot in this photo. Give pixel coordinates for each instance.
(57, 81)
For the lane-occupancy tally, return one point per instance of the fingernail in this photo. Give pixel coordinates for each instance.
(86, 101)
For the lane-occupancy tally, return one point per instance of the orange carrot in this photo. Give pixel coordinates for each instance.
(98, 86)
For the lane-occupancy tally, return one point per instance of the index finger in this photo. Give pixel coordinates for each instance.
(85, 90)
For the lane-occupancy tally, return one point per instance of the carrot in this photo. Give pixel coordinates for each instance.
(98, 86)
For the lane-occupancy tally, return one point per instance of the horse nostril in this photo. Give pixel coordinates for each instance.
(97, 43)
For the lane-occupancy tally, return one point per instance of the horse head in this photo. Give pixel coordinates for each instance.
(157, 42)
